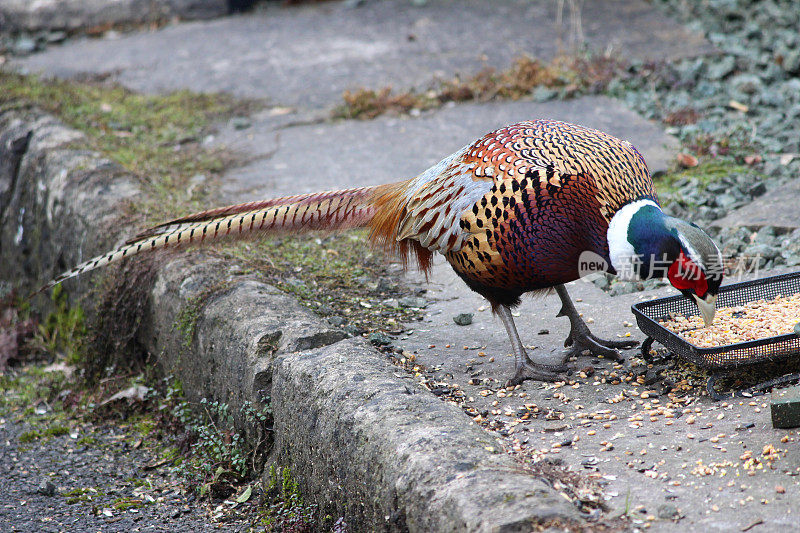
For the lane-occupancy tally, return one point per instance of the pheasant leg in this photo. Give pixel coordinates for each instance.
(581, 339)
(524, 368)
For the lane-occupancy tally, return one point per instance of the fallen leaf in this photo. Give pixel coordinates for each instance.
(244, 496)
(752, 159)
(155, 464)
(738, 106)
(67, 370)
(278, 111)
(687, 160)
(136, 392)
(787, 158)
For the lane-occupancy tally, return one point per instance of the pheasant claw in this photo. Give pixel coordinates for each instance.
(581, 340)
(585, 343)
(529, 370)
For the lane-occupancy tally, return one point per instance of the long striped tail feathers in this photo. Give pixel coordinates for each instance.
(379, 208)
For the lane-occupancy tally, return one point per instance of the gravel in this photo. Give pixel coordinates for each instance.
(98, 482)
(756, 69)
(752, 68)
(463, 319)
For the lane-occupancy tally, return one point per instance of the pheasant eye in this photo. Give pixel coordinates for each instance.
(684, 274)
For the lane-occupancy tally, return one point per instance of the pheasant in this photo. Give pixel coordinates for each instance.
(514, 212)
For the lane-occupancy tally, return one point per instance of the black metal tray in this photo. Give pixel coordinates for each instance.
(729, 355)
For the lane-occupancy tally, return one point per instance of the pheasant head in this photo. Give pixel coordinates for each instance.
(646, 243)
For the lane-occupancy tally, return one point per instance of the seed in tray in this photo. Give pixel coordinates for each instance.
(754, 320)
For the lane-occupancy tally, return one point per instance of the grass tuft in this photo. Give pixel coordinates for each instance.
(156, 137)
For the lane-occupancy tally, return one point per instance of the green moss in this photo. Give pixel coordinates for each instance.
(335, 274)
(123, 504)
(157, 137)
(55, 431)
(49, 432)
(284, 508)
(82, 495)
(186, 321)
(29, 436)
(144, 425)
(187, 318)
(171, 454)
(136, 481)
(86, 441)
(706, 173)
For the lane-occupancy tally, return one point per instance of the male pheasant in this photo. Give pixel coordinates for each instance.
(512, 213)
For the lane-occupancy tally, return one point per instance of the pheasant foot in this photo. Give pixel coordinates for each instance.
(524, 368)
(581, 340)
(585, 343)
(530, 370)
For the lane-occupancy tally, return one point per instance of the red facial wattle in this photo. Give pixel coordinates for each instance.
(685, 274)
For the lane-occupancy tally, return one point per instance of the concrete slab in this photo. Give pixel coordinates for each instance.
(307, 55)
(653, 457)
(777, 208)
(291, 160)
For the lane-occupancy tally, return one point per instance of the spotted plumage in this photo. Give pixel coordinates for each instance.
(555, 187)
(512, 213)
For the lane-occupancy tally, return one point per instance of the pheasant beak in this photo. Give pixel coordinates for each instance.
(707, 306)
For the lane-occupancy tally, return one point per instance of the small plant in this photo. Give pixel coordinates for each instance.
(123, 504)
(29, 436)
(64, 329)
(49, 432)
(86, 441)
(55, 431)
(285, 509)
(220, 456)
(82, 495)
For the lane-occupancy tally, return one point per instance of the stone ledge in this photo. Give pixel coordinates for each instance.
(403, 459)
(58, 205)
(777, 208)
(360, 435)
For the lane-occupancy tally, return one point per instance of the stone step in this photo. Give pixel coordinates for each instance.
(300, 159)
(777, 208)
(308, 55)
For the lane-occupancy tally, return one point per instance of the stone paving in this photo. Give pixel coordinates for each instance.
(307, 55)
(301, 59)
(777, 208)
(361, 153)
(655, 456)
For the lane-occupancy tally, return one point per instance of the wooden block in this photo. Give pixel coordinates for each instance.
(785, 407)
